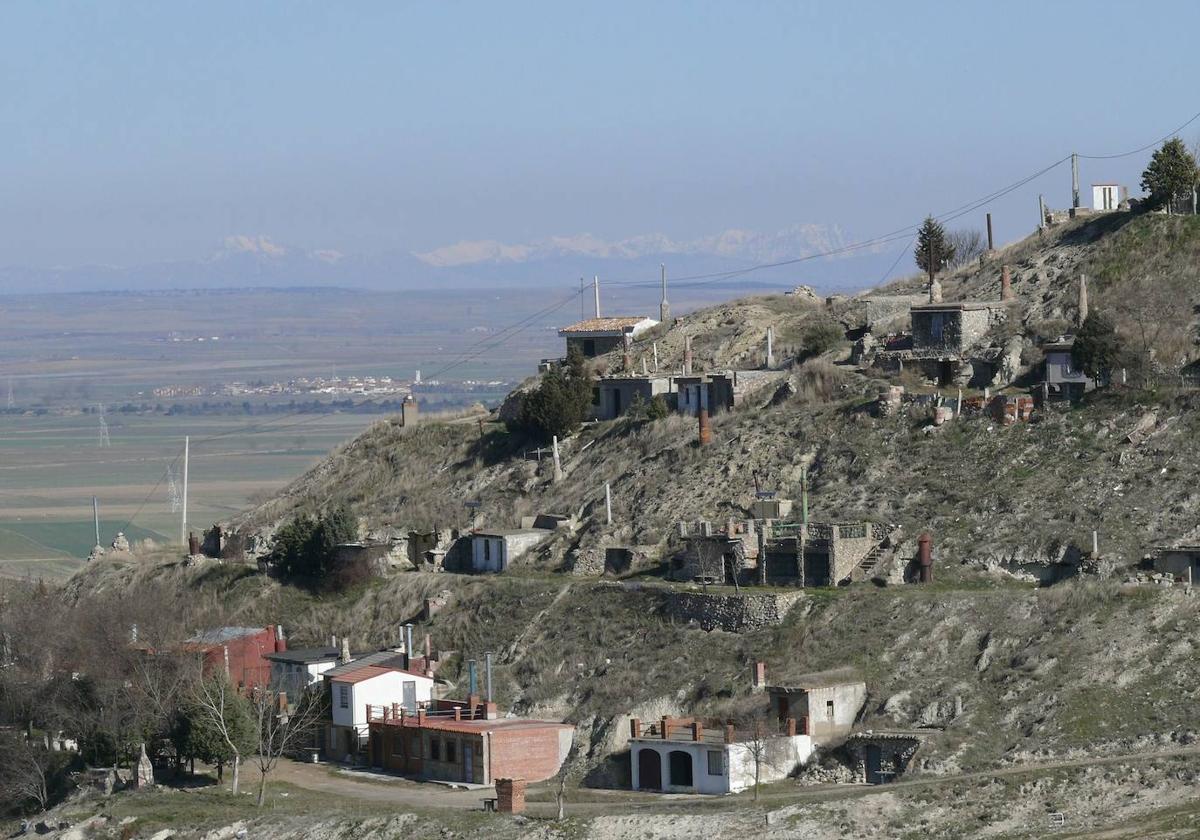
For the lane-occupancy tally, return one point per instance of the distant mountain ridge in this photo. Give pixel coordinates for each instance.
(258, 261)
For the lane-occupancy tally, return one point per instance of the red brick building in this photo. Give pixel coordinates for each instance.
(240, 652)
(457, 741)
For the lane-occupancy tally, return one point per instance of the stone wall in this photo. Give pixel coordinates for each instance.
(731, 613)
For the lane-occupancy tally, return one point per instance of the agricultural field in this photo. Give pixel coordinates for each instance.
(51, 466)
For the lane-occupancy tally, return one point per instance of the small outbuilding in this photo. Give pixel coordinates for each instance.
(494, 550)
(829, 700)
(597, 336)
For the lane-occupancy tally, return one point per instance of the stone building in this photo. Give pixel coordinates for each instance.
(717, 392)
(1180, 561)
(949, 344)
(822, 554)
(880, 757)
(716, 555)
(828, 700)
(597, 336)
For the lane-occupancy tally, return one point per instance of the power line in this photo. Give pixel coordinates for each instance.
(1141, 149)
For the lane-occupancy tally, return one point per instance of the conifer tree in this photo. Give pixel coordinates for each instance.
(1172, 174)
(934, 249)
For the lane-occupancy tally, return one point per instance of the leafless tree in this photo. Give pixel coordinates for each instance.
(1154, 314)
(282, 728)
(218, 704)
(758, 735)
(25, 771)
(968, 246)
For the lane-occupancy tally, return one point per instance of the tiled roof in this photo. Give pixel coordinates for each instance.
(380, 662)
(604, 325)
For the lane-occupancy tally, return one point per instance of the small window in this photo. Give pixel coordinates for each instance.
(343, 697)
(716, 763)
(435, 749)
(829, 709)
(450, 752)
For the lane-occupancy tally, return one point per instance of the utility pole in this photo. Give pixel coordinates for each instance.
(183, 518)
(96, 517)
(104, 441)
(804, 495)
(664, 308)
(1041, 213)
(1074, 181)
(596, 292)
(991, 246)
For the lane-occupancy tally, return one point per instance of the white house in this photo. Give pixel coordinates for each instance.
(695, 759)
(493, 551)
(1108, 196)
(826, 703)
(295, 670)
(378, 679)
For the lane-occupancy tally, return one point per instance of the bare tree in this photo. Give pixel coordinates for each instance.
(759, 739)
(1153, 314)
(25, 767)
(967, 246)
(218, 705)
(282, 728)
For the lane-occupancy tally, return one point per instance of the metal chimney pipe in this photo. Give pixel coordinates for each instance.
(472, 682)
(991, 247)
(487, 674)
(408, 644)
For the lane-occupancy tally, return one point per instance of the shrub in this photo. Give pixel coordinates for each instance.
(1096, 350)
(560, 403)
(304, 547)
(820, 335)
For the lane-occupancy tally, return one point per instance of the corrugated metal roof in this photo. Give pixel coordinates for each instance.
(381, 661)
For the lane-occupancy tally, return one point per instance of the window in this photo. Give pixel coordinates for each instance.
(936, 326)
(829, 709)
(343, 697)
(435, 749)
(716, 763)
(449, 752)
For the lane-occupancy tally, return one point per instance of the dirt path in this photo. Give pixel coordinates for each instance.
(318, 777)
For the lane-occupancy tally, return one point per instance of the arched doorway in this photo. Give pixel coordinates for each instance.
(681, 768)
(649, 770)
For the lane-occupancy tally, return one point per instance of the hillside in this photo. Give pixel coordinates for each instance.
(993, 671)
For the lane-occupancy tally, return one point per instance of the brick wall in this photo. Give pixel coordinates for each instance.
(530, 754)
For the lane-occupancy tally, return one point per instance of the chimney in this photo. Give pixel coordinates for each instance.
(925, 557)
(1006, 292)
(758, 679)
(705, 437)
(408, 644)
(280, 641)
(1083, 299)
(133, 633)
(472, 682)
(487, 676)
(664, 308)
(596, 293)
(687, 355)
(770, 347)
(345, 657)
(193, 544)
(627, 356)
(935, 291)
(428, 649)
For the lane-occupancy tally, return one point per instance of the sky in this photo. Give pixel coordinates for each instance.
(133, 132)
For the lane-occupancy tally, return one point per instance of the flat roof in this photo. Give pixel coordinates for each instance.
(509, 532)
(957, 305)
(821, 679)
(471, 727)
(304, 656)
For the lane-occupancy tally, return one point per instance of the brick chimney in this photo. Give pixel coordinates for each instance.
(1006, 292)
(758, 679)
(280, 641)
(705, 435)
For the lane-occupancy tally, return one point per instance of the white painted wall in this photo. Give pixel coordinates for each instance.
(487, 554)
(382, 690)
(782, 755)
(1106, 196)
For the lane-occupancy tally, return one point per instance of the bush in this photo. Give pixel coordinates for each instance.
(647, 411)
(304, 547)
(1096, 350)
(820, 335)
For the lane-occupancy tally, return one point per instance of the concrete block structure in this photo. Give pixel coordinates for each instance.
(829, 700)
(717, 392)
(494, 550)
(466, 741)
(597, 336)
(296, 669)
(1108, 197)
(615, 394)
(684, 755)
(1063, 380)
(1179, 561)
(877, 758)
(949, 344)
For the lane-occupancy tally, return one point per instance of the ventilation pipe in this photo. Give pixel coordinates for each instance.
(705, 435)
(925, 557)
(687, 355)
(280, 640)
(487, 676)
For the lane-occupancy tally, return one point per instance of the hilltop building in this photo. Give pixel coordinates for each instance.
(828, 700)
(597, 336)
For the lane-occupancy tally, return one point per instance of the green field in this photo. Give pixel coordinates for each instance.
(51, 466)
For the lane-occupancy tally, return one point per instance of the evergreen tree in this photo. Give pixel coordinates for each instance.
(934, 249)
(1171, 175)
(560, 404)
(195, 735)
(1096, 350)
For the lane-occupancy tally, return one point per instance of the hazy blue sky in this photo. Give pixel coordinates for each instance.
(132, 132)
